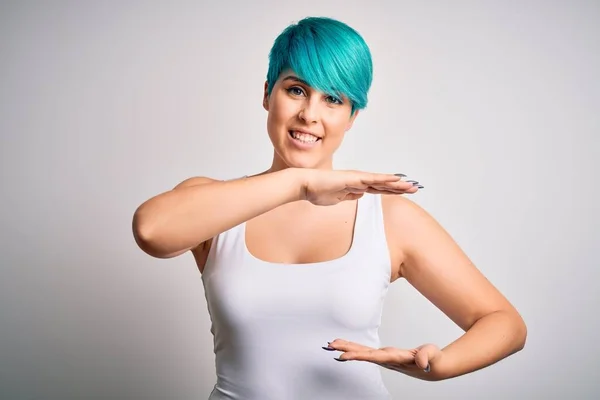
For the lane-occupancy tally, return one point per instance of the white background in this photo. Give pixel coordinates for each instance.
(492, 105)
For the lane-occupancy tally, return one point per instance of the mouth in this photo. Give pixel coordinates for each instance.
(304, 137)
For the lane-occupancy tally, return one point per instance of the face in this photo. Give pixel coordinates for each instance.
(305, 126)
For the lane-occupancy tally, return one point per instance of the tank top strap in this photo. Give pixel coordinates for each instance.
(227, 250)
(369, 219)
(369, 232)
(376, 216)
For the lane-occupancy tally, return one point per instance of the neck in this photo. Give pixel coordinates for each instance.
(278, 164)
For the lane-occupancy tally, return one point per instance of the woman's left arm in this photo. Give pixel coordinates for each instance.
(436, 266)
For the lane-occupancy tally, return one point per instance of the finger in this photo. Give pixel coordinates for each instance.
(385, 180)
(402, 185)
(396, 190)
(385, 192)
(390, 191)
(371, 355)
(354, 196)
(425, 354)
(357, 189)
(384, 357)
(370, 178)
(345, 345)
(422, 360)
(373, 189)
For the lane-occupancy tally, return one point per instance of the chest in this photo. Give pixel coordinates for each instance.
(345, 294)
(303, 235)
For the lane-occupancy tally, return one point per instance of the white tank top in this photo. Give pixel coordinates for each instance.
(270, 321)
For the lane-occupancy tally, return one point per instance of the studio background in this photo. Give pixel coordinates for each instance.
(493, 106)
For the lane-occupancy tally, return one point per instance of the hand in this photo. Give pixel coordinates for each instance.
(407, 361)
(329, 187)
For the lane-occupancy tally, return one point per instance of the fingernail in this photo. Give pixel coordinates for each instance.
(327, 348)
(415, 182)
(427, 368)
(338, 359)
(400, 175)
(421, 187)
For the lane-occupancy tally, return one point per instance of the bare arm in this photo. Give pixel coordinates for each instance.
(436, 266)
(198, 209)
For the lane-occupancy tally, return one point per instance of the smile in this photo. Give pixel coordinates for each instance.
(303, 137)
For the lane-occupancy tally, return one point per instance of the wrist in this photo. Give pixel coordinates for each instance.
(294, 181)
(298, 179)
(440, 367)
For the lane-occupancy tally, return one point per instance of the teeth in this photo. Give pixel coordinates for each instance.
(304, 137)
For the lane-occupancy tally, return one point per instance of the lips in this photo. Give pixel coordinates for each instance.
(305, 131)
(303, 136)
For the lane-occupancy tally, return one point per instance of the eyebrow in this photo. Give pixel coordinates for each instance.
(295, 79)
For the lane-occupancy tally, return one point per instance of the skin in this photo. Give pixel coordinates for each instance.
(422, 252)
(294, 104)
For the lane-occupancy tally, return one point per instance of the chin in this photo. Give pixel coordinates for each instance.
(300, 162)
(294, 156)
(292, 159)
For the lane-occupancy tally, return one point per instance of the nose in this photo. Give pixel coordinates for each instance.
(309, 113)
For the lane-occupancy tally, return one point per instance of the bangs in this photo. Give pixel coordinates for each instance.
(329, 55)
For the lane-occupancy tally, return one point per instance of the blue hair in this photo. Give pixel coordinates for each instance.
(329, 55)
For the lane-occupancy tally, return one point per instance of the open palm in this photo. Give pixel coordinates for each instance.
(402, 360)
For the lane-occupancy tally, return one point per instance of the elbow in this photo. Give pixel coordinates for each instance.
(519, 329)
(513, 328)
(144, 235)
(151, 240)
(522, 334)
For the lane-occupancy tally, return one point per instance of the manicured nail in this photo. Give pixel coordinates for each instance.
(421, 187)
(340, 360)
(427, 368)
(400, 175)
(327, 348)
(414, 182)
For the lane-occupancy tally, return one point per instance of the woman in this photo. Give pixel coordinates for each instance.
(296, 260)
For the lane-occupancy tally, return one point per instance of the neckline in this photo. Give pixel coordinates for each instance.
(353, 244)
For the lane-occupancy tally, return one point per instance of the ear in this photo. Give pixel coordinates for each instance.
(352, 119)
(266, 96)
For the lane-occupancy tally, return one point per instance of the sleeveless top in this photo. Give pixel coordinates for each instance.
(270, 321)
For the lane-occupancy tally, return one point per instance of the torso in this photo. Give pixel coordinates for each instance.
(326, 233)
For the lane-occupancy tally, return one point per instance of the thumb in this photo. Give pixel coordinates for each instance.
(425, 355)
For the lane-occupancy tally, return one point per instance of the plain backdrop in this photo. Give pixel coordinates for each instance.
(492, 105)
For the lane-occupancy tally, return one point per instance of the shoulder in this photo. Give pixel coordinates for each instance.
(406, 221)
(201, 180)
(401, 210)
(195, 181)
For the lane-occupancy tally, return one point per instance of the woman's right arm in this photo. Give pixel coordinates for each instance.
(198, 209)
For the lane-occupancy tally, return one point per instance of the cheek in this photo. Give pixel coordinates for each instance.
(284, 110)
(336, 126)
(279, 115)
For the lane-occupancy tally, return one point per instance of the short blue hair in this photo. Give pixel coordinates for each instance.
(327, 54)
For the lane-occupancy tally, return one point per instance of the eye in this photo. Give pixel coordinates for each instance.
(295, 90)
(333, 100)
